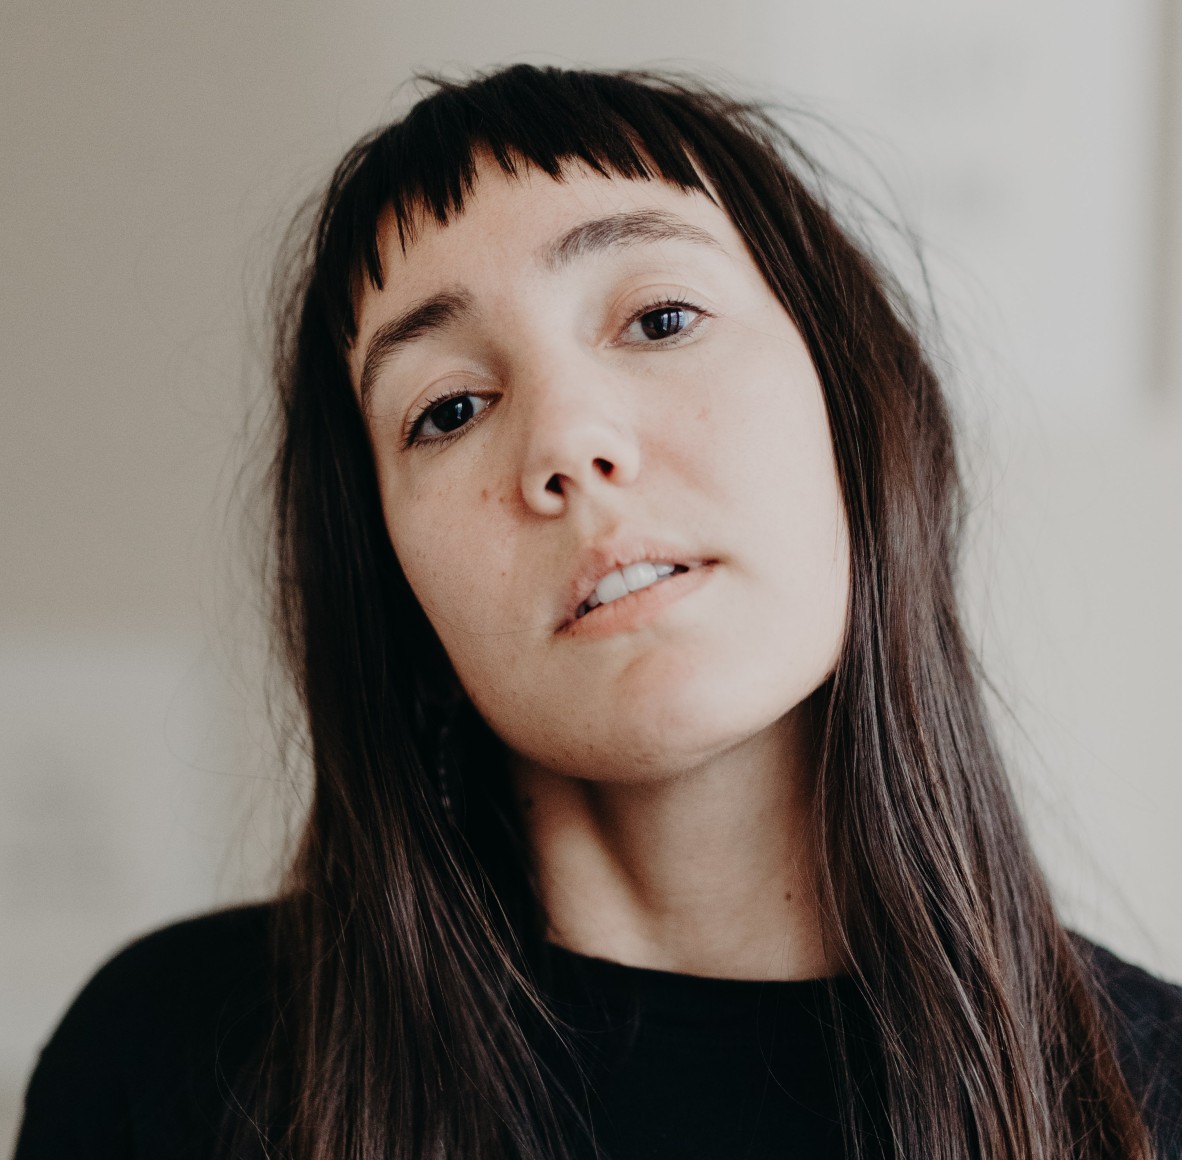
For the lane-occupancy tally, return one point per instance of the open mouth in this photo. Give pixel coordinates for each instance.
(631, 578)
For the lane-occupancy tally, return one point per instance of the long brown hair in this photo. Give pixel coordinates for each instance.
(408, 932)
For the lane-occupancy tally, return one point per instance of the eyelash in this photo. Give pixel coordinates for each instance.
(662, 303)
(412, 436)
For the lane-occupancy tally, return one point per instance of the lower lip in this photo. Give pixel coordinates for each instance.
(637, 608)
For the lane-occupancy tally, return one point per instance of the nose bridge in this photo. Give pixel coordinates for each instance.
(577, 431)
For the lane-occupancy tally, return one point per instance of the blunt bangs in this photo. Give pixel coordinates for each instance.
(424, 166)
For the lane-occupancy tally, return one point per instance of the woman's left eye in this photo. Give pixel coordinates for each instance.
(668, 320)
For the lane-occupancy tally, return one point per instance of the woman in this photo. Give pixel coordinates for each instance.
(655, 809)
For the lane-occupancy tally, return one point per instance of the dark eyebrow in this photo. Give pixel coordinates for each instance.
(423, 318)
(623, 229)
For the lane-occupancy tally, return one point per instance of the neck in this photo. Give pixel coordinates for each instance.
(709, 871)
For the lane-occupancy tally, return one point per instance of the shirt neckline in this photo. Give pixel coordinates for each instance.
(579, 981)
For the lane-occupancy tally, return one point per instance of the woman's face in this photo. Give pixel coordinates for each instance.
(579, 388)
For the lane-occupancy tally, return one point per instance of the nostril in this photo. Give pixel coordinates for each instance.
(559, 482)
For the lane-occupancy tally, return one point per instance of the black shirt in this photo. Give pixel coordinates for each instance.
(143, 1063)
(702, 1069)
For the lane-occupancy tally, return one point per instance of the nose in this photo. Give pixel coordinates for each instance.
(578, 440)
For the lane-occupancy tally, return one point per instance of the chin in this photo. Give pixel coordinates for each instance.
(658, 737)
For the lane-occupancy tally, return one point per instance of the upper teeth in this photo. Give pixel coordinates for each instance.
(632, 578)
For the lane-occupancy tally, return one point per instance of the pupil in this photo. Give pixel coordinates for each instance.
(662, 323)
(453, 414)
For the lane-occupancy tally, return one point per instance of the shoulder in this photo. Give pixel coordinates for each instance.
(1152, 1006)
(1146, 1017)
(169, 991)
(146, 1056)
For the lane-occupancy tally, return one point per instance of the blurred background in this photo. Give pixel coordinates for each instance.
(151, 155)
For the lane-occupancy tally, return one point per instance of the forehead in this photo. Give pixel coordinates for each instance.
(534, 224)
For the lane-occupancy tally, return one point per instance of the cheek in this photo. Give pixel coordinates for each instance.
(769, 454)
(450, 541)
(775, 460)
(435, 533)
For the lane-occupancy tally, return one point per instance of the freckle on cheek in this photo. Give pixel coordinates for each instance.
(484, 494)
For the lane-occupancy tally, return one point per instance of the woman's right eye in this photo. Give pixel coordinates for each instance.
(441, 418)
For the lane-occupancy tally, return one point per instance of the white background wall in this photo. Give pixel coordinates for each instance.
(150, 154)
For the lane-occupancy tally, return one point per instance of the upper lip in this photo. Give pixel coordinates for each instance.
(596, 560)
